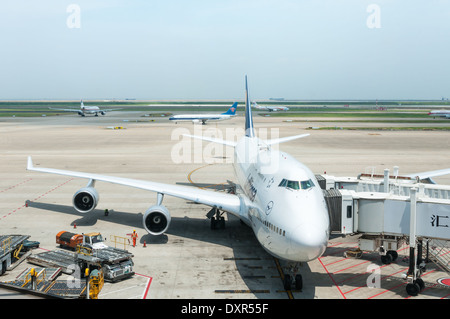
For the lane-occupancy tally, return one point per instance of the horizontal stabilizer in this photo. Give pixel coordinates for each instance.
(213, 140)
(285, 139)
(425, 175)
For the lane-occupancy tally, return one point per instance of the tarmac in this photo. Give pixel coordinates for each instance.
(191, 261)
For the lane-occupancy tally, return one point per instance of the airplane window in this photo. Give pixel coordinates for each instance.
(293, 185)
(307, 184)
(296, 185)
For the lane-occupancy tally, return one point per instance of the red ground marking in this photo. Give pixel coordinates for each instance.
(148, 285)
(48, 192)
(14, 186)
(332, 279)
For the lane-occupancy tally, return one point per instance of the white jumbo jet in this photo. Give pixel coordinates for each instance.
(277, 196)
(440, 113)
(83, 110)
(270, 108)
(197, 118)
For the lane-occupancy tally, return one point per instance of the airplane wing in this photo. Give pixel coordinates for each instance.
(108, 110)
(223, 201)
(78, 110)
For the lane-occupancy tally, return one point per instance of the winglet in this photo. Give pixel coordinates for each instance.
(30, 163)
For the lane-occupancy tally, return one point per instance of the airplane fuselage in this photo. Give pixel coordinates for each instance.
(285, 205)
(442, 113)
(274, 109)
(200, 117)
(90, 110)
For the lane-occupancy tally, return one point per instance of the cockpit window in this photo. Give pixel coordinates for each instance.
(293, 185)
(307, 184)
(296, 184)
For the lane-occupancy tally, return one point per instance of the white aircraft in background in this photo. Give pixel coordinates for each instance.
(83, 110)
(277, 196)
(197, 118)
(440, 113)
(270, 108)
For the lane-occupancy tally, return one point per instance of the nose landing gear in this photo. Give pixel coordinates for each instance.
(294, 281)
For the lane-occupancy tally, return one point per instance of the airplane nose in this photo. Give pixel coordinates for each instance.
(309, 241)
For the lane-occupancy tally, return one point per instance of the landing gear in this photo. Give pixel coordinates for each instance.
(217, 220)
(295, 281)
(290, 283)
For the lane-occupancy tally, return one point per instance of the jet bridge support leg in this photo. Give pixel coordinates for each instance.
(415, 283)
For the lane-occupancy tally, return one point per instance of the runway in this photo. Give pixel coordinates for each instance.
(191, 261)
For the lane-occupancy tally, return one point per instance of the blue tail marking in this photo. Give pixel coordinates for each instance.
(231, 110)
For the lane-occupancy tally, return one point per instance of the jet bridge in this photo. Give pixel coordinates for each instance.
(390, 211)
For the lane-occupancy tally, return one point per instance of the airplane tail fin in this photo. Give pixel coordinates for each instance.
(231, 110)
(249, 131)
(82, 104)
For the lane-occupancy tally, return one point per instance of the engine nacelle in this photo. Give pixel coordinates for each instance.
(156, 220)
(85, 200)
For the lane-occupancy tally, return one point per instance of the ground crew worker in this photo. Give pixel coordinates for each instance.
(134, 236)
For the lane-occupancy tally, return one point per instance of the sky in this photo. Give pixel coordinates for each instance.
(202, 49)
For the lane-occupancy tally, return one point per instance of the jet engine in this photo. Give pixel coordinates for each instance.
(85, 199)
(156, 220)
